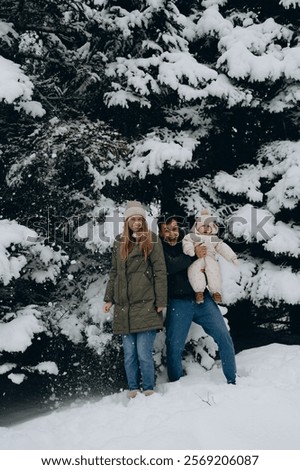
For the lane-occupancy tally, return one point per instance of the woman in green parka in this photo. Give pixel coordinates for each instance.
(137, 287)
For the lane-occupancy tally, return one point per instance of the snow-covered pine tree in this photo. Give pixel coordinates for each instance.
(59, 190)
(267, 221)
(246, 99)
(257, 50)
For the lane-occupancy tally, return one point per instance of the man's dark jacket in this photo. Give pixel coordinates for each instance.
(177, 264)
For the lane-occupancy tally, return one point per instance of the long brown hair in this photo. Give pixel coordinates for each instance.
(144, 239)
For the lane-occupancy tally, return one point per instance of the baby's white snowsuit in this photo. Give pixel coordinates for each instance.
(208, 264)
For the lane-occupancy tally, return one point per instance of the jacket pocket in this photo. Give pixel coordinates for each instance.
(140, 287)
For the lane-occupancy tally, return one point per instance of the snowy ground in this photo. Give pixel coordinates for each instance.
(199, 412)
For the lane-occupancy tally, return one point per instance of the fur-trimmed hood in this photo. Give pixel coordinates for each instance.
(204, 217)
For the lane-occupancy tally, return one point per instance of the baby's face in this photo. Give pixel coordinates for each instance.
(205, 229)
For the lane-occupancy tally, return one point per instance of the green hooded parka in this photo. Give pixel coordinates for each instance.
(136, 287)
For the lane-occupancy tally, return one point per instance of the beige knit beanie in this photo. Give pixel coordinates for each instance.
(134, 208)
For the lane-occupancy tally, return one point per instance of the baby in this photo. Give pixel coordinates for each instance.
(206, 271)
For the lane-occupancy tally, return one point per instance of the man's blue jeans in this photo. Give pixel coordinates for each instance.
(180, 315)
(138, 359)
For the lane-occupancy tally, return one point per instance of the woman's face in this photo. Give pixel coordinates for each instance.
(135, 223)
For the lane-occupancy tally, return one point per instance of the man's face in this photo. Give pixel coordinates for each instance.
(170, 232)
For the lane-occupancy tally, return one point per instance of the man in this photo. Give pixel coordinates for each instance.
(183, 310)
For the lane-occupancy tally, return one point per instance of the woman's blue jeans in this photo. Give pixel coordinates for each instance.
(180, 315)
(138, 359)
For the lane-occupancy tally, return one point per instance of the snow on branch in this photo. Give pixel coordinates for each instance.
(134, 71)
(290, 3)
(242, 63)
(126, 21)
(235, 281)
(258, 225)
(143, 76)
(151, 154)
(6, 32)
(291, 62)
(244, 181)
(286, 240)
(16, 88)
(14, 83)
(46, 264)
(197, 194)
(283, 164)
(257, 38)
(287, 98)
(20, 248)
(18, 330)
(112, 176)
(209, 3)
(286, 192)
(257, 52)
(123, 98)
(11, 234)
(223, 88)
(177, 66)
(278, 161)
(213, 23)
(275, 284)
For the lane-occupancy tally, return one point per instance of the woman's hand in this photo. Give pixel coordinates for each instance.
(107, 306)
(159, 309)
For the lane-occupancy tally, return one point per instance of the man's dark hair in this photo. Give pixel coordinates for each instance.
(168, 217)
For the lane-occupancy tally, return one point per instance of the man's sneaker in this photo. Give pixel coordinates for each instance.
(147, 393)
(132, 393)
(217, 297)
(199, 297)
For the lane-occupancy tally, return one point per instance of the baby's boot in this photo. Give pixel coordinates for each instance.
(217, 297)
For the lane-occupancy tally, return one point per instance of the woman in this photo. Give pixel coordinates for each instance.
(137, 287)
